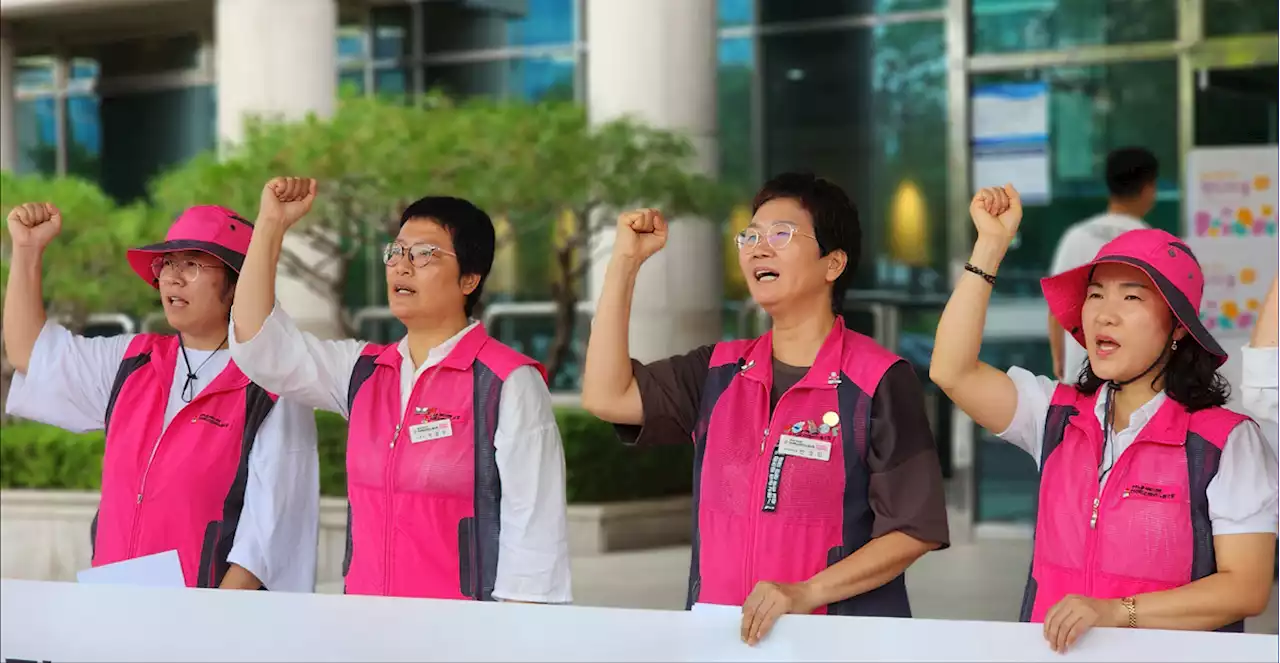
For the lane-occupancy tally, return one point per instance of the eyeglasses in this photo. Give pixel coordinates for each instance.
(778, 236)
(420, 255)
(186, 269)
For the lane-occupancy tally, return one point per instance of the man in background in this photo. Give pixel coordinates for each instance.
(1131, 184)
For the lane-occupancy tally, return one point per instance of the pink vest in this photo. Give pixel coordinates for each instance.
(423, 517)
(1149, 529)
(182, 488)
(763, 515)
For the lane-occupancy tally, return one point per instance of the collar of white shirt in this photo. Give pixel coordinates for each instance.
(1138, 420)
(434, 355)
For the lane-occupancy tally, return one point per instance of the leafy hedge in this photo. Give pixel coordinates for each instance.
(600, 469)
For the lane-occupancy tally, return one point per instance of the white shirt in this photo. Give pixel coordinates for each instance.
(1242, 495)
(1079, 246)
(1260, 383)
(68, 385)
(533, 539)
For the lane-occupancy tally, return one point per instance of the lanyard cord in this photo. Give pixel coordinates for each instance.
(1109, 417)
(189, 385)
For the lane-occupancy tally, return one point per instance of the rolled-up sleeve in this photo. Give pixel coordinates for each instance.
(1035, 394)
(906, 489)
(68, 379)
(297, 365)
(278, 533)
(1260, 382)
(533, 539)
(670, 394)
(1243, 494)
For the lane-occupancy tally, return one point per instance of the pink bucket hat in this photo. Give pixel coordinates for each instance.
(214, 230)
(1164, 258)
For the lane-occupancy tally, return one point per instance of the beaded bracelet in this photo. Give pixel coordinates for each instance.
(989, 278)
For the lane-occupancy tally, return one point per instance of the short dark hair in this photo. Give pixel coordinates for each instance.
(1191, 378)
(229, 283)
(472, 233)
(835, 220)
(1129, 170)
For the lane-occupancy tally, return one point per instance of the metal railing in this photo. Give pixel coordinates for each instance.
(492, 312)
(490, 315)
(370, 314)
(126, 324)
(154, 322)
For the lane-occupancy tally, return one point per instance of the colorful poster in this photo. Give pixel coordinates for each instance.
(1231, 204)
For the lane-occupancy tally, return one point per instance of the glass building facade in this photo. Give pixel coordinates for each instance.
(872, 93)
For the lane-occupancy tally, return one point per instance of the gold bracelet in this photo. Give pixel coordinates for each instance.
(1132, 607)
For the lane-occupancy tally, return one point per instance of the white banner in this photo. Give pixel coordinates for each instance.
(1232, 202)
(61, 622)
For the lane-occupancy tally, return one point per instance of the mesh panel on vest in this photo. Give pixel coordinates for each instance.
(488, 485)
(735, 488)
(1145, 531)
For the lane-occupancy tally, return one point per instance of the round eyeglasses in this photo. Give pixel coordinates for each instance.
(778, 236)
(185, 268)
(420, 255)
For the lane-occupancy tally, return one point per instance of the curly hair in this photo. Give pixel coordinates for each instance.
(1190, 377)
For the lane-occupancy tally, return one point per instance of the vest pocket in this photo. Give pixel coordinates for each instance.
(465, 571)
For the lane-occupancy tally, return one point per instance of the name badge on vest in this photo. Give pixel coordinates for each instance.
(431, 430)
(803, 447)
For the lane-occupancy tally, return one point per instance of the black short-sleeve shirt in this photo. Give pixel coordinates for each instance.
(906, 489)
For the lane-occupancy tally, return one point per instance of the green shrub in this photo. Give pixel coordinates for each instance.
(600, 469)
(38, 456)
(331, 438)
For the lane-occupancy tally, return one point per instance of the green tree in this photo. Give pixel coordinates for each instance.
(549, 160)
(85, 270)
(85, 267)
(527, 163)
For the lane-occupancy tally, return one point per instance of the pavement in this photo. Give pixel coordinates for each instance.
(982, 580)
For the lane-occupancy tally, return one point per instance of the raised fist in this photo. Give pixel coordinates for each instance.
(996, 212)
(34, 225)
(641, 233)
(286, 199)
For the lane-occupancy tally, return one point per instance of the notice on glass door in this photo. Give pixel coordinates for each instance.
(1011, 138)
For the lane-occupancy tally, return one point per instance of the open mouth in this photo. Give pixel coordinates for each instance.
(402, 290)
(1106, 345)
(766, 275)
(176, 302)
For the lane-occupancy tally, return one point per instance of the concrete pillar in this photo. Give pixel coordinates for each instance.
(278, 58)
(655, 60)
(281, 60)
(8, 110)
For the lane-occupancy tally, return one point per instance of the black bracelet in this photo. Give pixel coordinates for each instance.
(989, 278)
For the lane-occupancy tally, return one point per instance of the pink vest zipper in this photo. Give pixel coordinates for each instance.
(423, 517)
(1148, 528)
(182, 488)
(762, 515)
